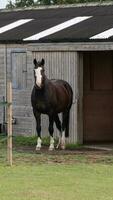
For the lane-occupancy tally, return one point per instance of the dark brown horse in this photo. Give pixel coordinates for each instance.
(51, 97)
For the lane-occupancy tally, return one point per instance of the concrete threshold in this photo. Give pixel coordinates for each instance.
(100, 147)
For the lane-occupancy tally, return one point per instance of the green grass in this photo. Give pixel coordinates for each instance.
(56, 182)
(31, 141)
(50, 176)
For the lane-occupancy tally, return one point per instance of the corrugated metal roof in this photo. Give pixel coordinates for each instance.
(90, 23)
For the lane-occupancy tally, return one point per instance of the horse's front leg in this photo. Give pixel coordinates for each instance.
(38, 129)
(51, 122)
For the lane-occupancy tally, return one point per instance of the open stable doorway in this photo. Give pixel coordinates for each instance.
(98, 96)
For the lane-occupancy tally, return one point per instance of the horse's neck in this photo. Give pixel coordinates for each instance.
(44, 88)
(46, 81)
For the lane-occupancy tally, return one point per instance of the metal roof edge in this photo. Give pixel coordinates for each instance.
(77, 5)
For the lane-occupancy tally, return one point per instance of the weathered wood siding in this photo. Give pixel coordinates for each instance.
(2, 80)
(16, 64)
(19, 70)
(62, 61)
(62, 65)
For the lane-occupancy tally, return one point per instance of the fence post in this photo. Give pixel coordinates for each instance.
(9, 123)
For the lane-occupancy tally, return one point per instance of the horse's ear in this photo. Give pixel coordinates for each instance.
(42, 62)
(35, 61)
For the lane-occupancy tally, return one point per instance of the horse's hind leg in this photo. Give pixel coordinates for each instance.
(65, 128)
(51, 122)
(38, 129)
(58, 125)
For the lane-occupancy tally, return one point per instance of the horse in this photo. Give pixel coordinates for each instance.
(51, 97)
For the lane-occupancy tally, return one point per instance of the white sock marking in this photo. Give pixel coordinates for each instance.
(39, 142)
(51, 147)
(59, 141)
(63, 140)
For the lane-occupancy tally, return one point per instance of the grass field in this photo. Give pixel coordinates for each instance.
(69, 175)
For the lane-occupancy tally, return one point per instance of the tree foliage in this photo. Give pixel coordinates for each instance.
(20, 4)
(24, 3)
(28, 3)
(10, 5)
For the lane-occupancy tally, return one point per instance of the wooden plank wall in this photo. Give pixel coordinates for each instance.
(22, 110)
(62, 65)
(2, 80)
(59, 65)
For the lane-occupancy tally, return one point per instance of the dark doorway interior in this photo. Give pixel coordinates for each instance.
(98, 96)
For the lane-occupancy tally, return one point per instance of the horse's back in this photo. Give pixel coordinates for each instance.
(61, 82)
(63, 86)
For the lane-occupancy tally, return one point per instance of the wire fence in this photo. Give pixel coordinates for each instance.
(8, 136)
(5, 104)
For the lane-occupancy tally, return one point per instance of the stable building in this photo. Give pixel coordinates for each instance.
(77, 45)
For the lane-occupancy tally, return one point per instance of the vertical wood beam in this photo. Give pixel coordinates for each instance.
(9, 123)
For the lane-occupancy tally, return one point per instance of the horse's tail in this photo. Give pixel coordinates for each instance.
(67, 113)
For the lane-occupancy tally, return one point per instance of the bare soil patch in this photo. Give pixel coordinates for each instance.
(77, 155)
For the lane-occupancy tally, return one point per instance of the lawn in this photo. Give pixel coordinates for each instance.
(69, 175)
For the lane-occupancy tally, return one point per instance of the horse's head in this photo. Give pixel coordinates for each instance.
(39, 73)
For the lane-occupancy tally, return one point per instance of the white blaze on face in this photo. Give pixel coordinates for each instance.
(38, 76)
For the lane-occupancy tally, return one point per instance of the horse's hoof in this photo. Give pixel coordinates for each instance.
(57, 146)
(38, 148)
(63, 147)
(51, 148)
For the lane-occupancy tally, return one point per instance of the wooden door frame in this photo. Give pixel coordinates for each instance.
(79, 99)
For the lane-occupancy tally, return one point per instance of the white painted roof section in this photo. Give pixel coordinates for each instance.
(57, 28)
(104, 35)
(14, 25)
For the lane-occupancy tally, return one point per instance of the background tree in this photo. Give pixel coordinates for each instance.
(45, 2)
(10, 5)
(76, 1)
(28, 3)
(20, 4)
(24, 3)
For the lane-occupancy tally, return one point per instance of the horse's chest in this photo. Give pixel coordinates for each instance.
(42, 105)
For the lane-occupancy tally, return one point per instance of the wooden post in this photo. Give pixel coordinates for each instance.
(9, 123)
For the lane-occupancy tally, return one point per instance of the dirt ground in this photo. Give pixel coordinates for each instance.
(85, 154)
